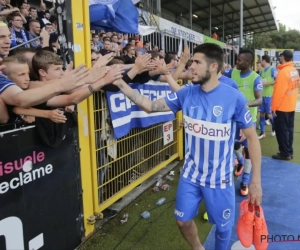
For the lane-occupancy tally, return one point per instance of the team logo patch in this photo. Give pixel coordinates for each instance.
(172, 96)
(226, 214)
(248, 116)
(245, 85)
(260, 85)
(217, 110)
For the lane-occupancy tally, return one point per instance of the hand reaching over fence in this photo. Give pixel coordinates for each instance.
(96, 74)
(161, 68)
(185, 56)
(104, 60)
(73, 78)
(99, 69)
(143, 63)
(114, 73)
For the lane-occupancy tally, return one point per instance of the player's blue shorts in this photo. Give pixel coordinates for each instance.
(265, 106)
(220, 203)
(237, 137)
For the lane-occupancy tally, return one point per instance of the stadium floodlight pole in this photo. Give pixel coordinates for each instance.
(158, 2)
(29, 41)
(241, 22)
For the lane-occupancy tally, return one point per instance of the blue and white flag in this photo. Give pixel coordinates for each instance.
(125, 115)
(114, 15)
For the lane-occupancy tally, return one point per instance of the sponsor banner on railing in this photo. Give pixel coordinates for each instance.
(180, 31)
(125, 115)
(40, 204)
(274, 55)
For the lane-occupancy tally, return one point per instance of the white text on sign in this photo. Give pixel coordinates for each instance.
(168, 132)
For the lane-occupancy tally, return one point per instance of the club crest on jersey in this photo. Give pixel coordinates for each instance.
(260, 86)
(226, 214)
(217, 110)
(248, 116)
(172, 96)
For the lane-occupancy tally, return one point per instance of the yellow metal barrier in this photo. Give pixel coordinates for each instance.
(123, 164)
(80, 17)
(112, 168)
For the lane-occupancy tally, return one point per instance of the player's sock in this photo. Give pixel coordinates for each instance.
(239, 155)
(247, 171)
(222, 239)
(262, 124)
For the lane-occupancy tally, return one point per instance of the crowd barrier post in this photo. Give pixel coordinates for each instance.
(81, 48)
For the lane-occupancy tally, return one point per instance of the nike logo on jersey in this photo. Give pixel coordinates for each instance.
(224, 224)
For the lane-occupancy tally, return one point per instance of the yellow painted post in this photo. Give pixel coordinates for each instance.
(180, 137)
(94, 180)
(80, 56)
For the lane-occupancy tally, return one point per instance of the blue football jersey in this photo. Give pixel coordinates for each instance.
(210, 120)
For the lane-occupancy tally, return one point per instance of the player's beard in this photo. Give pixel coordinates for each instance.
(204, 79)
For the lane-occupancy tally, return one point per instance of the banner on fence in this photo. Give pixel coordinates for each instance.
(125, 115)
(274, 55)
(180, 31)
(40, 205)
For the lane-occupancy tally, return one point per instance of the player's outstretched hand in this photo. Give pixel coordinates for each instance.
(255, 194)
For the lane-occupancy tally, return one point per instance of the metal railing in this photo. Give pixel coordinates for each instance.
(29, 41)
(125, 163)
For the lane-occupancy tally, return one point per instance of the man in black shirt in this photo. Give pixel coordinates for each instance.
(106, 47)
(33, 16)
(130, 54)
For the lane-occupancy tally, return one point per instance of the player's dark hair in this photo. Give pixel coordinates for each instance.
(212, 52)
(249, 54)
(266, 58)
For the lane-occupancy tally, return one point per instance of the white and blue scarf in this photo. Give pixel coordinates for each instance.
(14, 38)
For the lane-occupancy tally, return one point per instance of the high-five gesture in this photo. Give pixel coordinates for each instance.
(162, 68)
(143, 63)
(73, 78)
(99, 69)
(185, 56)
(115, 72)
(103, 60)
